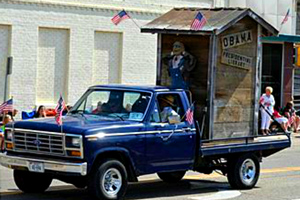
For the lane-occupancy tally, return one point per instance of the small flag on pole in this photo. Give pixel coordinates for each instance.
(119, 17)
(286, 17)
(198, 22)
(6, 106)
(189, 115)
(59, 110)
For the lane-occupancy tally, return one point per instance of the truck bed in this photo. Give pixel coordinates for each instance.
(266, 144)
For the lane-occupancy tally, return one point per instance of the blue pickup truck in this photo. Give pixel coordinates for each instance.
(115, 133)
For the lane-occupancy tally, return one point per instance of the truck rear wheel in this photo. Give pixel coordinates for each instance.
(108, 181)
(171, 177)
(243, 172)
(30, 182)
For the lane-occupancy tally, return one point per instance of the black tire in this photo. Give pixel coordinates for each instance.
(99, 186)
(243, 172)
(30, 182)
(171, 177)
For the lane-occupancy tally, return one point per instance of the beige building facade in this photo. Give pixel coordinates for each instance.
(65, 46)
(272, 11)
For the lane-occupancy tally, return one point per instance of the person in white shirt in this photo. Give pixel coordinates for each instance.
(267, 102)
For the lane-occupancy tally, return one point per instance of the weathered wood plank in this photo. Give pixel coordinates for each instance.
(237, 97)
(234, 87)
(229, 130)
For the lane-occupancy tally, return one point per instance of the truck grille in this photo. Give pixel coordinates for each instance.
(38, 142)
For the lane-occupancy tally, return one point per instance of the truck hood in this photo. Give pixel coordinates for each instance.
(76, 124)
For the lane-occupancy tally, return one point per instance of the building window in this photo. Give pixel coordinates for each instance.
(107, 58)
(53, 61)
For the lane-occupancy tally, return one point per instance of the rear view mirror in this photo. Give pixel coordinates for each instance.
(174, 119)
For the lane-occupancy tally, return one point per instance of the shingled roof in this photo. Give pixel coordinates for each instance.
(218, 20)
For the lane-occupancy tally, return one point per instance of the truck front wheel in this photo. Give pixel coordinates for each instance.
(243, 172)
(108, 181)
(30, 182)
(171, 177)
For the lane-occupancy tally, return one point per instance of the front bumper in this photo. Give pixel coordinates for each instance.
(55, 166)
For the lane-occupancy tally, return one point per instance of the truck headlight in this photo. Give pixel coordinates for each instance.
(74, 146)
(76, 142)
(73, 141)
(8, 135)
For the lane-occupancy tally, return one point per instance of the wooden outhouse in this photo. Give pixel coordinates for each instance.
(225, 83)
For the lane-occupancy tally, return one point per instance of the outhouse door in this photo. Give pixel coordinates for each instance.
(272, 70)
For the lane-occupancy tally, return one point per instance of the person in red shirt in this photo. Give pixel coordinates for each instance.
(290, 113)
(283, 121)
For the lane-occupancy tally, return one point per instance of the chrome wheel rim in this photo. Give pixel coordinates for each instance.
(248, 171)
(111, 182)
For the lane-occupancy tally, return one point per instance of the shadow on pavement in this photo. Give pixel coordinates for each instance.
(142, 190)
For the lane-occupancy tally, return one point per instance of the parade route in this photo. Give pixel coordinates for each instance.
(280, 174)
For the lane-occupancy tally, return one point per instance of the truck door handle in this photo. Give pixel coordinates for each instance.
(166, 138)
(187, 129)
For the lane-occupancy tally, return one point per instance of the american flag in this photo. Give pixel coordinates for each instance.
(6, 106)
(119, 17)
(286, 17)
(189, 115)
(198, 22)
(59, 110)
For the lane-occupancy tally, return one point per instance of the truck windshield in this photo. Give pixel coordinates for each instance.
(124, 105)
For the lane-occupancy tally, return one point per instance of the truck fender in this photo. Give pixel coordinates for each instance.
(119, 153)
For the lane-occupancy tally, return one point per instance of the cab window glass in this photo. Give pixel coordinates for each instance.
(93, 100)
(169, 104)
(129, 99)
(155, 114)
(124, 105)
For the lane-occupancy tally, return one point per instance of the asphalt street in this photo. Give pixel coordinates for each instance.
(279, 180)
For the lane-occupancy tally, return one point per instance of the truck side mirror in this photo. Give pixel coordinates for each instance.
(174, 119)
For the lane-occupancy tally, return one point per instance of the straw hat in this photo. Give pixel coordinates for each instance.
(169, 99)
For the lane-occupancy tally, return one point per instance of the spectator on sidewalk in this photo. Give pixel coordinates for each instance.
(6, 120)
(283, 121)
(41, 112)
(12, 114)
(290, 113)
(267, 103)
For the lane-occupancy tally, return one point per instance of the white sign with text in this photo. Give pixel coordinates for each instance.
(236, 60)
(236, 39)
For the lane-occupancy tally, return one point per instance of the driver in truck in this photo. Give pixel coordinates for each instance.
(166, 104)
(114, 104)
